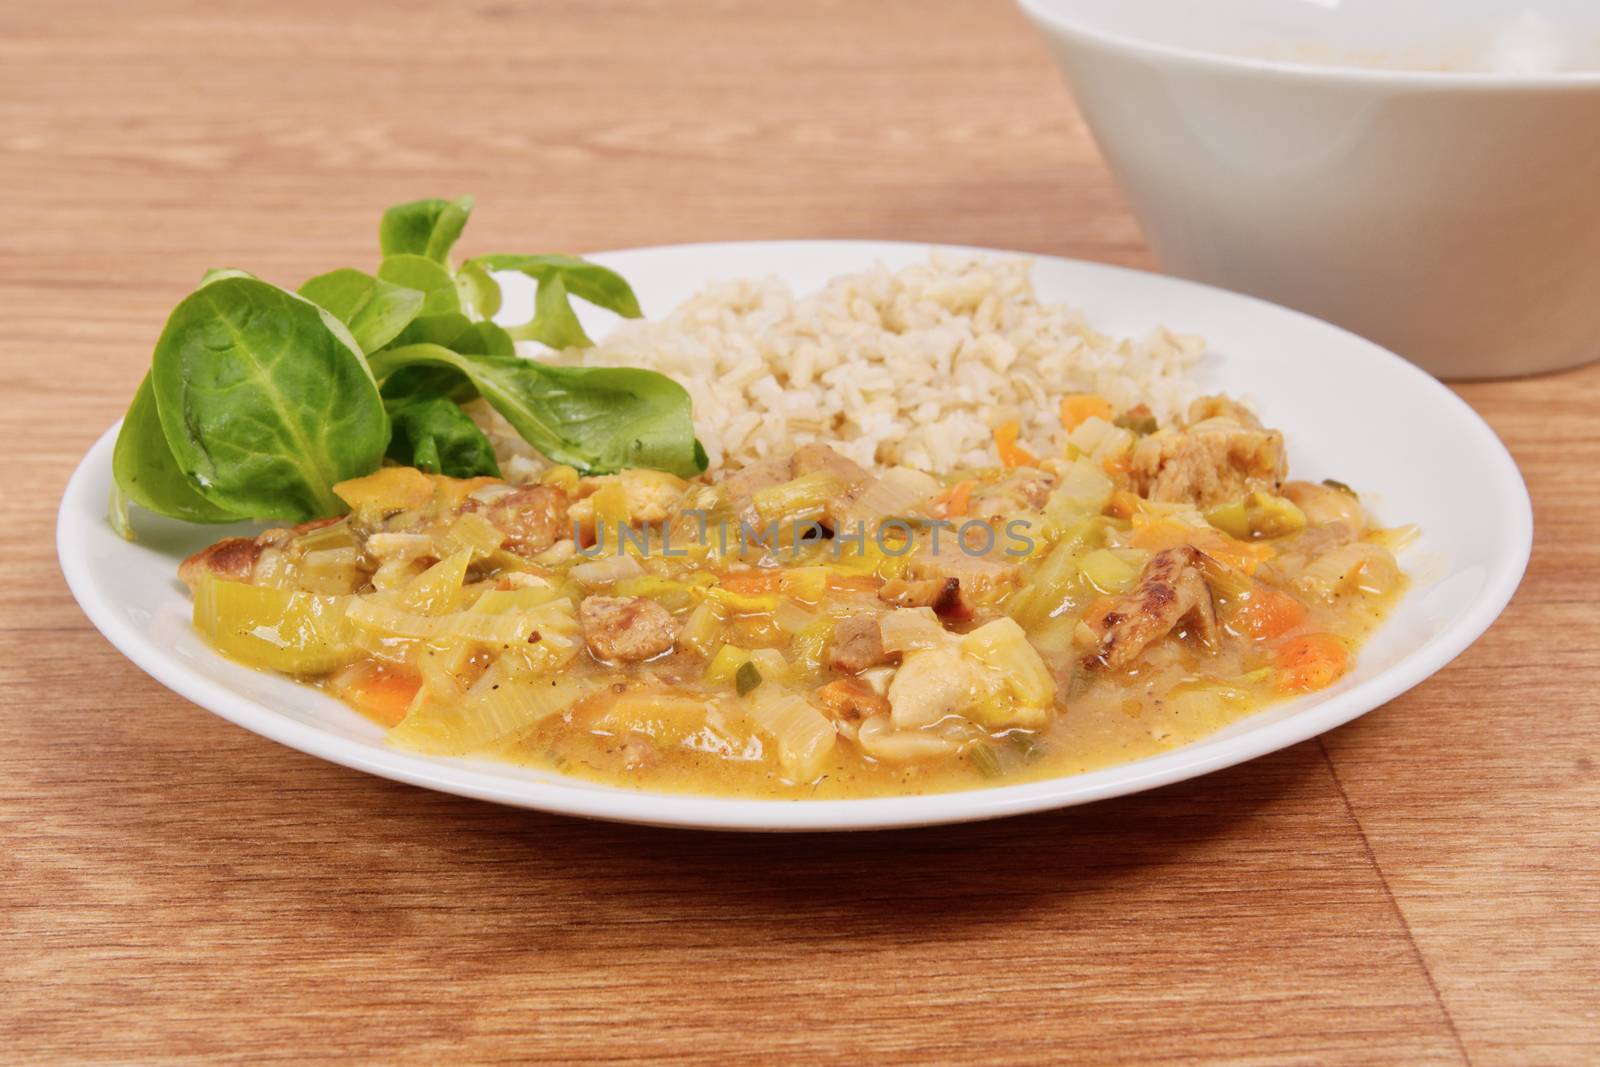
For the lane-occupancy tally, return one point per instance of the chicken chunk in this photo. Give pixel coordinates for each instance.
(982, 578)
(626, 629)
(1024, 489)
(1172, 592)
(533, 518)
(857, 644)
(849, 700)
(235, 558)
(853, 480)
(1324, 504)
(943, 595)
(1210, 462)
(1222, 407)
(743, 484)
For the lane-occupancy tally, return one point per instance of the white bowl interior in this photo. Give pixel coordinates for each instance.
(1504, 36)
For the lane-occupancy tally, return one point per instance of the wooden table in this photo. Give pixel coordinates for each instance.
(1418, 887)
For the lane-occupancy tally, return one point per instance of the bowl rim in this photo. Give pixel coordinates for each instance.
(1046, 17)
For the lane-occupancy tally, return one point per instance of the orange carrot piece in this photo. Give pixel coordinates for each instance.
(1155, 534)
(1117, 465)
(1078, 408)
(1311, 662)
(1123, 504)
(847, 697)
(384, 694)
(955, 500)
(1269, 613)
(1011, 453)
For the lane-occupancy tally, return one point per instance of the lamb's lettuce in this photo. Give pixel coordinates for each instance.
(375, 310)
(596, 419)
(559, 276)
(265, 401)
(435, 282)
(427, 228)
(259, 400)
(147, 474)
(436, 436)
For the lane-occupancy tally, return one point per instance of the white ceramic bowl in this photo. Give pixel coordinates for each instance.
(1423, 172)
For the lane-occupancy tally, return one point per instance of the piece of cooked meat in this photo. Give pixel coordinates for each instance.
(1172, 591)
(626, 629)
(533, 517)
(1221, 407)
(857, 644)
(741, 486)
(1212, 462)
(1324, 504)
(853, 479)
(851, 700)
(943, 595)
(235, 558)
(1296, 553)
(982, 577)
(1024, 489)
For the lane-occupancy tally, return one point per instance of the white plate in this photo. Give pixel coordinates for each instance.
(1349, 410)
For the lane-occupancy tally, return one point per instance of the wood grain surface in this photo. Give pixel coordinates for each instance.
(1418, 887)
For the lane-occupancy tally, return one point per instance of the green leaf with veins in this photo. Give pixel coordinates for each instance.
(479, 291)
(554, 322)
(266, 401)
(597, 419)
(434, 282)
(427, 380)
(435, 435)
(147, 475)
(560, 276)
(375, 310)
(424, 228)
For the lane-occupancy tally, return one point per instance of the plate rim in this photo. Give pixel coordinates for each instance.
(698, 811)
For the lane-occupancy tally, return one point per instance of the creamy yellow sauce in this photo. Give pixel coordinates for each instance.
(1151, 587)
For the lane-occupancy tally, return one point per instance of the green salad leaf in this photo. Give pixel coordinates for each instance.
(424, 228)
(375, 310)
(265, 401)
(146, 472)
(436, 436)
(435, 282)
(596, 419)
(559, 276)
(478, 290)
(258, 400)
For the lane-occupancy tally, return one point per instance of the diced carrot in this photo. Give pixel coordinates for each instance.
(854, 583)
(750, 582)
(1311, 662)
(383, 694)
(1078, 408)
(1117, 465)
(1268, 613)
(850, 698)
(1155, 534)
(1123, 504)
(955, 500)
(1011, 453)
(1241, 555)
